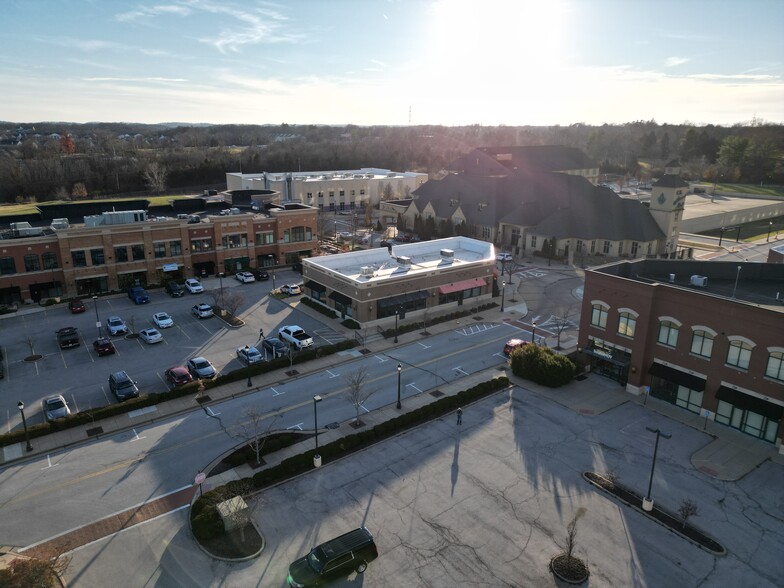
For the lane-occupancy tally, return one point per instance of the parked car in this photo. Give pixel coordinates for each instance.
(138, 295)
(202, 310)
(274, 347)
(261, 275)
(150, 336)
(177, 376)
(116, 326)
(291, 289)
(122, 386)
(200, 367)
(244, 277)
(55, 407)
(76, 306)
(163, 320)
(103, 346)
(68, 337)
(513, 344)
(193, 286)
(295, 336)
(248, 355)
(504, 256)
(334, 558)
(174, 289)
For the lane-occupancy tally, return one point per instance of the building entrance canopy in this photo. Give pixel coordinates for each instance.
(681, 378)
(752, 403)
(460, 286)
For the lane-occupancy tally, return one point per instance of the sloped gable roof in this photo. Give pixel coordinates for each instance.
(540, 157)
(670, 181)
(477, 163)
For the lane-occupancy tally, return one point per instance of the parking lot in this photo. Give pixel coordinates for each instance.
(80, 375)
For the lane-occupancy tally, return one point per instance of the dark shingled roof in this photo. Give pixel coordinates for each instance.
(553, 204)
(541, 157)
(670, 181)
(477, 163)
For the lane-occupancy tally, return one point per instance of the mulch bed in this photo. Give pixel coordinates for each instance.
(669, 520)
(570, 569)
(231, 546)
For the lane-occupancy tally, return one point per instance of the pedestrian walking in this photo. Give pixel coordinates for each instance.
(459, 416)
(261, 334)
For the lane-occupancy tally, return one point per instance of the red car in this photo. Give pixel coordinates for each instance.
(178, 376)
(513, 344)
(76, 306)
(103, 346)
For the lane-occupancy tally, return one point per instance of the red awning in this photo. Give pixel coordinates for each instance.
(460, 286)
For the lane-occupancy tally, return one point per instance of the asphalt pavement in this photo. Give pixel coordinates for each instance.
(521, 426)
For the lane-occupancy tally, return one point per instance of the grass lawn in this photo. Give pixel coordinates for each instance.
(775, 191)
(752, 231)
(14, 209)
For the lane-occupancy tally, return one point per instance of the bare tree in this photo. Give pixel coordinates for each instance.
(155, 177)
(132, 324)
(79, 190)
(232, 300)
(253, 432)
(31, 344)
(561, 323)
(31, 571)
(356, 393)
(571, 533)
(688, 508)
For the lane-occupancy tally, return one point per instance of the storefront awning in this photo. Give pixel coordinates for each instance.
(460, 286)
(315, 286)
(341, 298)
(681, 378)
(752, 403)
(402, 299)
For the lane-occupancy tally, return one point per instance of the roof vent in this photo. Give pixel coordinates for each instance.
(404, 260)
(699, 281)
(447, 254)
(366, 270)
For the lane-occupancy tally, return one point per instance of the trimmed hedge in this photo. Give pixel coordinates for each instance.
(542, 365)
(191, 389)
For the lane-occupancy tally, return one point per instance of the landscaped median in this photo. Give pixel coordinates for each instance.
(206, 522)
(193, 389)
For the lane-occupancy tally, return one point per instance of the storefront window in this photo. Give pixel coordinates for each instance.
(32, 264)
(137, 252)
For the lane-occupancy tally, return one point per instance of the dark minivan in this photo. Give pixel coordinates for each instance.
(337, 557)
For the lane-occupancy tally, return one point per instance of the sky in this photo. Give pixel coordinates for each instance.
(393, 62)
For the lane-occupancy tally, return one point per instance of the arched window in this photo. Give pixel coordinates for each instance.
(775, 367)
(739, 353)
(668, 333)
(599, 314)
(627, 322)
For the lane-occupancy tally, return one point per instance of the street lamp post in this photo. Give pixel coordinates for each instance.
(399, 369)
(397, 313)
(533, 333)
(97, 319)
(20, 406)
(647, 503)
(503, 291)
(316, 457)
(220, 278)
(737, 275)
(247, 357)
(770, 228)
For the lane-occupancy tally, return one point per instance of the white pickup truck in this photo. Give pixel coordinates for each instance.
(295, 336)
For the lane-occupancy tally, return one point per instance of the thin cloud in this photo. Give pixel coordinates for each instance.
(739, 77)
(146, 12)
(675, 61)
(145, 80)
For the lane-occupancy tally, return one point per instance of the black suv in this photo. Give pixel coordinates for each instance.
(122, 386)
(337, 557)
(174, 289)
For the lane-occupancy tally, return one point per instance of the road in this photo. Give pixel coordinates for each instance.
(47, 496)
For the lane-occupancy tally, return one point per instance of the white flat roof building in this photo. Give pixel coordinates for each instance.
(415, 277)
(332, 190)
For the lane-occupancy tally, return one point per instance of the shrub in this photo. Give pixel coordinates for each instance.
(207, 524)
(542, 365)
(350, 324)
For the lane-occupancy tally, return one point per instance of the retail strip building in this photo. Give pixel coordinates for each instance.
(705, 336)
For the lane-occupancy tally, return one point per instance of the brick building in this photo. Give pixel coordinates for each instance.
(705, 336)
(126, 247)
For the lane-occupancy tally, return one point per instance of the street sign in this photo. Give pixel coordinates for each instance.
(200, 477)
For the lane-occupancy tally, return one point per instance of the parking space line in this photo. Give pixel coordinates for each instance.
(212, 414)
(414, 387)
(363, 408)
(331, 375)
(380, 359)
(276, 393)
(49, 462)
(298, 426)
(457, 369)
(105, 395)
(423, 345)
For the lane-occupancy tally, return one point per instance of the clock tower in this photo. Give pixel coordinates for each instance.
(667, 198)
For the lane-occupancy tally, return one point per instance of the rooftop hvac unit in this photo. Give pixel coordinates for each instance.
(447, 254)
(699, 281)
(60, 223)
(404, 260)
(366, 270)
